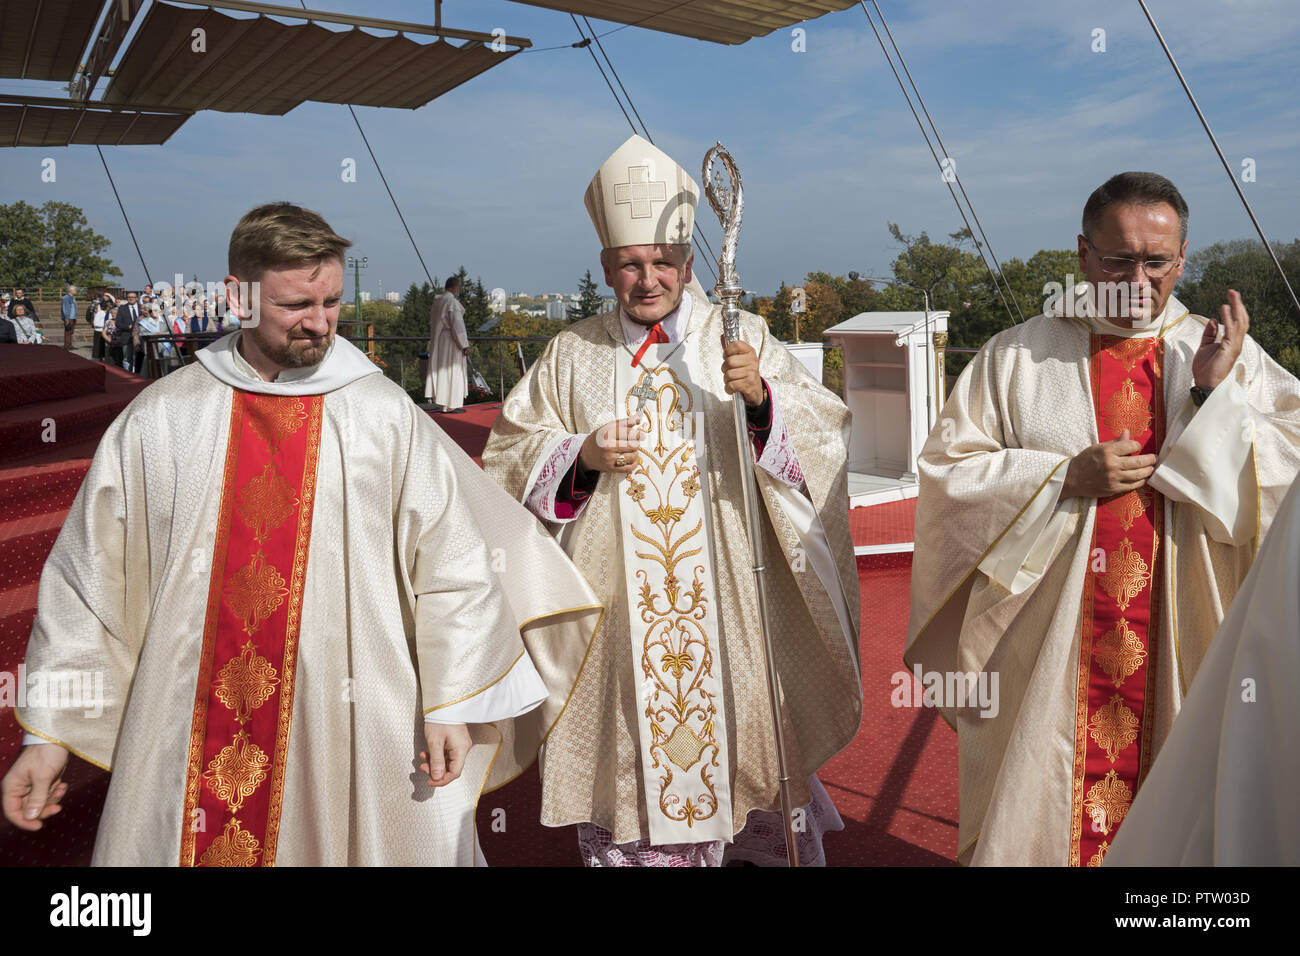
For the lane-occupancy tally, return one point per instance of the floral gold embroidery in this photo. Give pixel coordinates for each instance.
(235, 847)
(1120, 652)
(1107, 802)
(1100, 854)
(1125, 576)
(236, 770)
(1129, 507)
(1126, 409)
(265, 502)
(1114, 726)
(677, 659)
(246, 682)
(275, 418)
(254, 592)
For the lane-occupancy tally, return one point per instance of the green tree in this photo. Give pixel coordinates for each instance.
(589, 299)
(51, 245)
(1244, 265)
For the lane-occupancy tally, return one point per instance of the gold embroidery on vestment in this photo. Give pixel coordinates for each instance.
(235, 847)
(1114, 726)
(1127, 409)
(254, 592)
(275, 418)
(236, 770)
(246, 682)
(1119, 652)
(1130, 351)
(1129, 507)
(677, 661)
(1108, 802)
(1125, 576)
(265, 502)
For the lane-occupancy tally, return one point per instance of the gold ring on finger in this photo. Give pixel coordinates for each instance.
(620, 461)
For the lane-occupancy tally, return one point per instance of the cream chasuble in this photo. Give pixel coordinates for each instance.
(628, 747)
(279, 580)
(1002, 568)
(1223, 791)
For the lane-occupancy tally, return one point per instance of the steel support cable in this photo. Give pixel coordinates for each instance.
(956, 176)
(125, 217)
(587, 41)
(384, 179)
(1231, 175)
(929, 145)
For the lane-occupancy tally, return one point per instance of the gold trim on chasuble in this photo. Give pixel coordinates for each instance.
(672, 607)
(243, 701)
(1120, 617)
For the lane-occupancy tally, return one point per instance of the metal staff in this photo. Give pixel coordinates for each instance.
(728, 202)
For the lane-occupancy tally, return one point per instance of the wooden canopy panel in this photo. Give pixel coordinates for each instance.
(28, 124)
(261, 65)
(44, 39)
(722, 21)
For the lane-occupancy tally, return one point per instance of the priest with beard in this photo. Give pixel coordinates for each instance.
(622, 438)
(1091, 500)
(323, 632)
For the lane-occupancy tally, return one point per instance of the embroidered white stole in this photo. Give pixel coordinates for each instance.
(665, 525)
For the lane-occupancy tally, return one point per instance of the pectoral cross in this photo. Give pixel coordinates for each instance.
(644, 391)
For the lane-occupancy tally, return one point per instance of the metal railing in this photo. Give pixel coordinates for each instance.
(165, 352)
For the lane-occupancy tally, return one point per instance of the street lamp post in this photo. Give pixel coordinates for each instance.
(356, 264)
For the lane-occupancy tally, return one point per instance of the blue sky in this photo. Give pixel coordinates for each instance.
(492, 174)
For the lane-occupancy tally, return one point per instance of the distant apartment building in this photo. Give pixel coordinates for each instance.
(365, 297)
(497, 300)
(557, 309)
(393, 297)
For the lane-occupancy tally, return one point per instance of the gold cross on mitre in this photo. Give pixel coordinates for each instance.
(639, 192)
(641, 197)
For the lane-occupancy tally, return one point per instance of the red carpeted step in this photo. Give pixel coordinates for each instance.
(890, 523)
(26, 543)
(38, 489)
(45, 373)
(26, 432)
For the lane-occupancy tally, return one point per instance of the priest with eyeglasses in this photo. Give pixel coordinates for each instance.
(1091, 499)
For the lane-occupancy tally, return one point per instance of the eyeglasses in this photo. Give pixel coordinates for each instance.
(1122, 266)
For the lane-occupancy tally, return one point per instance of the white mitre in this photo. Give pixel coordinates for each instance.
(640, 197)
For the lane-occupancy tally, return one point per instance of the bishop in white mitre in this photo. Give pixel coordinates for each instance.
(622, 438)
(291, 581)
(446, 383)
(1091, 499)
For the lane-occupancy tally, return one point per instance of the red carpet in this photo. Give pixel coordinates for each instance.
(895, 786)
(45, 373)
(470, 430)
(890, 523)
(46, 443)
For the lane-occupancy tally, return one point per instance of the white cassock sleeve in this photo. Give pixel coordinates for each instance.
(1206, 462)
(515, 694)
(1022, 555)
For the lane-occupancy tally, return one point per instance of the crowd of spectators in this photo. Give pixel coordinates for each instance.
(118, 324)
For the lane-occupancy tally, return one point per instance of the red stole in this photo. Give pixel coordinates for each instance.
(1121, 605)
(243, 703)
